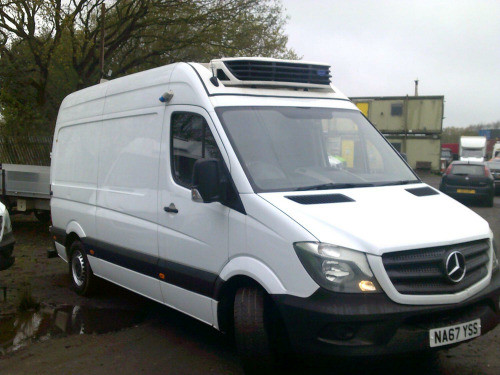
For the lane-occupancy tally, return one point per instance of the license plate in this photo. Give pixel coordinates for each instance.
(466, 191)
(453, 334)
(21, 205)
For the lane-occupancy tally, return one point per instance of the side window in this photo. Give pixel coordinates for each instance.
(190, 140)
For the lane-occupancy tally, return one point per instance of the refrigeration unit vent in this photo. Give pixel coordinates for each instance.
(272, 72)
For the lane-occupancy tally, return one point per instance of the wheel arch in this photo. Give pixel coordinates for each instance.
(226, 296)
(74, 232)
(241, 272)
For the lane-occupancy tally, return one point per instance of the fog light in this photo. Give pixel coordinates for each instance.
(344, 332)
(367, 286)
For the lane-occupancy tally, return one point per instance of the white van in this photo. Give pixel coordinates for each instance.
(496, 151)
(252, 195)
(473, 148)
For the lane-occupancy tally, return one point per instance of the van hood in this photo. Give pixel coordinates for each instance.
(377, 220)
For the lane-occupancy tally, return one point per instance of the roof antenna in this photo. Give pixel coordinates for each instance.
(213, 79)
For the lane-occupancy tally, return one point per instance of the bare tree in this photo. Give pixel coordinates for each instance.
(49, 48)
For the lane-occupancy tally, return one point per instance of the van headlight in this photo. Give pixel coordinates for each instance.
(336, 268)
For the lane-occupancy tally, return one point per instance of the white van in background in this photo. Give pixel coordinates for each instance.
(496, 151)
(473, 148)
(252, 195)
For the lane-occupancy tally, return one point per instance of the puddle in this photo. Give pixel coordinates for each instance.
(20, 330)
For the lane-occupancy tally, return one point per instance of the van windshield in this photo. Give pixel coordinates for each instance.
(295, 148)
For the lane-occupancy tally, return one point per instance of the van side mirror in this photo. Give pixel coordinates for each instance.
(206, 181)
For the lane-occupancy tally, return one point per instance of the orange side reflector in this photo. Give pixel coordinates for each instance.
(162, 276)
(92, 252)
(54, 238)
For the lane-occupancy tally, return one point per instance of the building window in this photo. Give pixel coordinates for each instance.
(397, 109)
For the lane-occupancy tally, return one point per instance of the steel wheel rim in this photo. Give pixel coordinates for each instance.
(78, 268)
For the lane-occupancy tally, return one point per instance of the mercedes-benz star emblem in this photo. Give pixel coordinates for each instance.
(455, 267)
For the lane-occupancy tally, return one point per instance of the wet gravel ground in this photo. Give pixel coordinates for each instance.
(118, 331)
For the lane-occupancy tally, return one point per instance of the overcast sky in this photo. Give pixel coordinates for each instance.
(379, 48)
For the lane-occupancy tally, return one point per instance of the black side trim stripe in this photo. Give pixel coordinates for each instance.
(59, 235)
(131, 259)
(186, 277)
(189, 278)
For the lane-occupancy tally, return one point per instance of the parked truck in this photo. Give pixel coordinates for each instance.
(472, 148)
(26, 189)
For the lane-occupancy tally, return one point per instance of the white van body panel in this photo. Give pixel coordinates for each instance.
(127, 193)
(270, 234)
(74, 227)
(85, 104)
(256, 270)
(235, 101)
(192, 304)
(388, 222)
(137, 282)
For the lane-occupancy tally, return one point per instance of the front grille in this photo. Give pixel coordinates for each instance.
(273, 71)
(423, 271)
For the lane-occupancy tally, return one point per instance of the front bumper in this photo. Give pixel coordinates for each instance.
(371, 324)
(6, 249)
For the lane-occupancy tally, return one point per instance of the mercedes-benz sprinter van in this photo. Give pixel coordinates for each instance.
(252, 195)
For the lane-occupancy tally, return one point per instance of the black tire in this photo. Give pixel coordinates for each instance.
(42, 216)
(490, 201)
(257, 332)
(81, 275)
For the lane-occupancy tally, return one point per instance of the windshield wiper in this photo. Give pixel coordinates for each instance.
(333, 186)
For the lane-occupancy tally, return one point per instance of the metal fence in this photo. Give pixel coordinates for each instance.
(30, 150)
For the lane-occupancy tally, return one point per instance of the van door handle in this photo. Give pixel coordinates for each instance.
(171, 209)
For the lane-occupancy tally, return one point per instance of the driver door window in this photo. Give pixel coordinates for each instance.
(191, 139)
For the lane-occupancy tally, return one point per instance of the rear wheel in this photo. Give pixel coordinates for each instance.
(82, 277)
(258, 331)
(491, 200)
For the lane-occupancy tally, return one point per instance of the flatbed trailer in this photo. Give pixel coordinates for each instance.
(26, 189)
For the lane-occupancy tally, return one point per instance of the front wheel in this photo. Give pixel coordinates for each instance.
(82, 277)
(258, 331)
